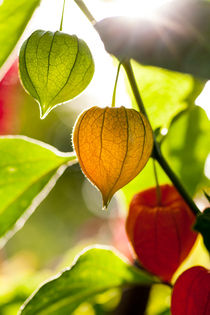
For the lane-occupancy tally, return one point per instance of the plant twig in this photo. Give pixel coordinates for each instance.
(61, 24)
(115, 85)
(174, 179)
(158, 191)
(85, 10)
(133, 84)
(156, 150)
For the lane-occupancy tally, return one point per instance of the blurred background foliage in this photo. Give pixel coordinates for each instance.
(70, 218)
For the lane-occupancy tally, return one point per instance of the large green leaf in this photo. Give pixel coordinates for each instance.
(26, 167)
(95, 271)
(177, 38)
(14, 16)
(186, 147)
(164, 93)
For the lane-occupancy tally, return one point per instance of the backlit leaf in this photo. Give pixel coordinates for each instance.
(54, 68)
(14, 16)
(95, 271)
(26, 167)
(113, 145)
(164, 93)
(186, 147)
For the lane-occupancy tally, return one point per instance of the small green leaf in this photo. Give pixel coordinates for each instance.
(26, 167)
(54, 68)
(202, 225)
(14, 16)
(95, 271)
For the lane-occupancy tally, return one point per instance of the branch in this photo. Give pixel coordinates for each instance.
(156, 150)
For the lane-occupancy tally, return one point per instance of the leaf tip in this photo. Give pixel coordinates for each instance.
(44, 111)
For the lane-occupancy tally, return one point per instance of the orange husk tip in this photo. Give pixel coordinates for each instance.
(160, 233)
(112, 145)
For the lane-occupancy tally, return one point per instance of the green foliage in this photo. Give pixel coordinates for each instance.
(54, 68)
(159, 300)
(26, 167)
(94, 272)
(164, 93)
(14, 16)
(187, 145)
(188, 129)
(202, 225)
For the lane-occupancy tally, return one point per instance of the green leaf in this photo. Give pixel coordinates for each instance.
(95, 271)
(26, 167)
(177, 38)
(202, 225)
(14, 16)
(159, 300)
(164, 93)
(186, 147)
(54, 68)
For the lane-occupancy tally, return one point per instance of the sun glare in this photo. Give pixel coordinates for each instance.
(136, 8)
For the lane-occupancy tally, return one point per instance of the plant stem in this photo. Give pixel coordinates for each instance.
(133, 84)
(158, 191)
(61, 24)
(85, 10)
(115, 85)
(168, 170)
(156, 150)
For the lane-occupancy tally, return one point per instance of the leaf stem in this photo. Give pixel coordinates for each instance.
(115, 84)
(175, 180)
(156, 150)
(129, 71)
(61, 24)
(158, 191)
(85, 10)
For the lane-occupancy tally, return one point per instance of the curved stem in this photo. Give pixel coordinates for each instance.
(115, 85)
(61, 24)
(158, 191)
(156, 150)
(168, 170)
